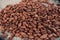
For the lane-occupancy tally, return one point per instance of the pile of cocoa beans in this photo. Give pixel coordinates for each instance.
(31, 20)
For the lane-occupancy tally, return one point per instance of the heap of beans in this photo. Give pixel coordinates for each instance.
(31, 20)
